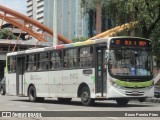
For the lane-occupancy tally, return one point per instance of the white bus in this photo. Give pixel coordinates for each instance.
(115, 68)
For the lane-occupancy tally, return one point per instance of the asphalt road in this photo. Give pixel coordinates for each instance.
(134, 108)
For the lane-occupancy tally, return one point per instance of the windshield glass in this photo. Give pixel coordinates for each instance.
(130, 62)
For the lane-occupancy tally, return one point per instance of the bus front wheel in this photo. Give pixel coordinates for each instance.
(122, 101)
(85, 97)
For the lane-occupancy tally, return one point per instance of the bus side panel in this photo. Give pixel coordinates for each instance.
(55, 83)
(11, 84)
(40, 81)
(73, 78)
(70, 80)
(88, 76)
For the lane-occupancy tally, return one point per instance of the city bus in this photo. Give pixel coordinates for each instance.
(114, 68)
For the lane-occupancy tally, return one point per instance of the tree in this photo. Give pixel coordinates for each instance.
(119, 12)
(4, 34)
(79, 39)
(146, 12)
(91, 6)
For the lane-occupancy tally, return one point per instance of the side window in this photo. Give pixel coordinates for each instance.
(43, 61)
(31, 62)
(55, 60)
(12, 64)
(86, 57)
(70, 58)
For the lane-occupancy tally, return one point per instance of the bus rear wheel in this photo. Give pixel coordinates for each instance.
(32, 94)
(2, 91)
(85, 97)
(122, 101)
(64, 100)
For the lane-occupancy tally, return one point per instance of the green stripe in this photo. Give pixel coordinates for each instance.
(25, 82)
(134, 84)
(78, 44)
(93, 78)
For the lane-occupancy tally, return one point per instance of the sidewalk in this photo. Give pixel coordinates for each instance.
(153, 100)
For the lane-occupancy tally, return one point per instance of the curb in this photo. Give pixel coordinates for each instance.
(153, 100)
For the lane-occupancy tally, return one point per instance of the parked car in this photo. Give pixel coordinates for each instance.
(3, 86)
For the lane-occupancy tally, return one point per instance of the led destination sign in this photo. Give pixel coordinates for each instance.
(130, 42)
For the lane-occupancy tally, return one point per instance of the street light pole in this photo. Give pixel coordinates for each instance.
(55, 40)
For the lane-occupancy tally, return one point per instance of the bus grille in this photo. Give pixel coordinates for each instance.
(134, 93)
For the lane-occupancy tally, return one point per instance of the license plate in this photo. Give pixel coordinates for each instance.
(135, 92)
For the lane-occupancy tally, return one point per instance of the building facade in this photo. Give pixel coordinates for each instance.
(70, 21)
(35, 10)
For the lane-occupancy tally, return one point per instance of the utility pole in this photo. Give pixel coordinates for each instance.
(55, 40)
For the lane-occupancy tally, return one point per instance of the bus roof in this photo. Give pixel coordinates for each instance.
(88, 42)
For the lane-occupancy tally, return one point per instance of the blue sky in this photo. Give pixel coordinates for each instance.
(17, 5)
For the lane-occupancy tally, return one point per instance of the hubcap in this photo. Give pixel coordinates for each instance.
(85, 96)
(32, 93)
(2, 91)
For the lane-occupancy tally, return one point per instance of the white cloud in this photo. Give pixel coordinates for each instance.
(17, 5)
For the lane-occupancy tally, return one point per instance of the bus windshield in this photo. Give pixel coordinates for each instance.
(130, 62)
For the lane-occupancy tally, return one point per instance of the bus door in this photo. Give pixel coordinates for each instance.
(20, 75)
(101, 74)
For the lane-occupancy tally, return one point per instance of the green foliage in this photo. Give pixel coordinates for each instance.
(146, 12)
(90, 4)
(79, 39)
(4, 33)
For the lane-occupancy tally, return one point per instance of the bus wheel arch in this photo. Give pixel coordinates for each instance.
(80, 88)
(84, 93)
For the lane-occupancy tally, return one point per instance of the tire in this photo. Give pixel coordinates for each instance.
(40, 99)
(32, 94)
(141, 99)
(85, 97)
(64, 100)
(2, 91)
(122, 101)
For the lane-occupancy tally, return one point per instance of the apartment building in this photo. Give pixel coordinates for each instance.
(35, 10)
(70, 21)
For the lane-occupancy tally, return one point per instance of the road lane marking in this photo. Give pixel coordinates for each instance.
(22, 106)
(114, 118)
(41, 108)
(9, 104)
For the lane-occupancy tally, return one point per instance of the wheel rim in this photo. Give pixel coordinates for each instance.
(32, 94)
(1, 90)
(85, 96)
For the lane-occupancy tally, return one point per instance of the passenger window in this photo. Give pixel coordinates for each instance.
(86, 57)
(55, 60)
(43, 61)
(12, 64)
(31, 62)
(70, 58)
